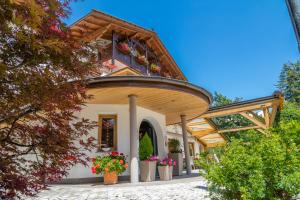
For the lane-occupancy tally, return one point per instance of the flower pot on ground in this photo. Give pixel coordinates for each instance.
(165, 169)
(110, 165)
(147, 161)
(110, 178)
(148, 169)
(176, 155)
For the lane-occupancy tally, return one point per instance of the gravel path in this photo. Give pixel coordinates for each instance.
(180, 189)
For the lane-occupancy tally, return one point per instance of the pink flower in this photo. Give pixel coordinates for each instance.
(93, 170)
(174, 163)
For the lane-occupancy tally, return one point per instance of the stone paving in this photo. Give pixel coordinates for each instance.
(192, 188)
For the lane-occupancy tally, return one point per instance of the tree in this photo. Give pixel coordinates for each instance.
(267, 167)
(289, 82)
(42, 85)
(230, 121)
(257, 166)
(145, 148)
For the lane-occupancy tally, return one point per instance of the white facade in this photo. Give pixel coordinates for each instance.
(175, 131)
(92, 112)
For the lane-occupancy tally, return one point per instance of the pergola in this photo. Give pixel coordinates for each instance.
(261, 112)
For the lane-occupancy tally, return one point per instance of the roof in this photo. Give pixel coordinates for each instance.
(97, 24)
(260, 112)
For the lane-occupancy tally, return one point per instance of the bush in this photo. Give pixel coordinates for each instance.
(114, 161)
(266, 167)
(146, 148)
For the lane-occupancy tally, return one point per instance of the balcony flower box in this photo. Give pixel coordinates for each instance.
(142, 60)
(124, 48)
(154, 68)
(165, 169)
(110, 165)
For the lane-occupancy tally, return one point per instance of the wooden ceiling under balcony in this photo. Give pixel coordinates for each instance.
(96, 25)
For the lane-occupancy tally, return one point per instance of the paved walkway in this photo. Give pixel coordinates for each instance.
(191, 188)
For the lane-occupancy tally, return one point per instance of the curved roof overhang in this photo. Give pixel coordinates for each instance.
(166, 96)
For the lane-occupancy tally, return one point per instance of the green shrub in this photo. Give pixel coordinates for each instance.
(266, 167)
(174, 145)
(146, 148)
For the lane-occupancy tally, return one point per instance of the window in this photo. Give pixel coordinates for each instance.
(107, 132)
(191, 148)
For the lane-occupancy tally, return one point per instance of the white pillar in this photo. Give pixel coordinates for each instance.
(186, 145)
(134, 140)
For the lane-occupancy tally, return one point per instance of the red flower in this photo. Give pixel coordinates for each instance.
(70, 158)
(114, 153)
(93, 170)
(121, 162)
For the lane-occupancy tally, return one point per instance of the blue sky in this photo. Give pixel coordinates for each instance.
(233, 47)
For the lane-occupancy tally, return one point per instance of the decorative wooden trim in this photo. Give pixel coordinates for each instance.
(115, 117)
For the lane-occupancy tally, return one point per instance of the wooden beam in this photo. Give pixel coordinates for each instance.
(253, 119)
(135, 35)
(266, 116)
(97, 33)
(236, 109)
(237, 129)
(203, 133)
(197, 123)
(211, 123)
(262, 131)
(273, 114)
(211, 145)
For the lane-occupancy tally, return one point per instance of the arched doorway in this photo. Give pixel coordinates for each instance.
(146, 127)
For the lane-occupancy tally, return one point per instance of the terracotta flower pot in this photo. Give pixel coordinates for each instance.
(110, 178)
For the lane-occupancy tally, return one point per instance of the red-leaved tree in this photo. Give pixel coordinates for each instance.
(42, 86)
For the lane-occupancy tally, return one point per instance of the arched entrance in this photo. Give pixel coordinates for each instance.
(146, 127)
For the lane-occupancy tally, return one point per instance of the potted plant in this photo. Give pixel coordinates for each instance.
(147, 160)
(124, 48)
(141, 59)
(176, 154)
(165, 169)
(110, 165)
(154, 68)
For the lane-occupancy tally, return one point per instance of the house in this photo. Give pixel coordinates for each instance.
(138, 88)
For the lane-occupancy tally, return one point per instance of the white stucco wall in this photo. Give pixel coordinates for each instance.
(175, 131)
(91, 111)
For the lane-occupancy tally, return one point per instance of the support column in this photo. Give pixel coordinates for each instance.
(186, 145)
(134, 140)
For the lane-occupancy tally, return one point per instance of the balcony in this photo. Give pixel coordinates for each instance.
(122, 51)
